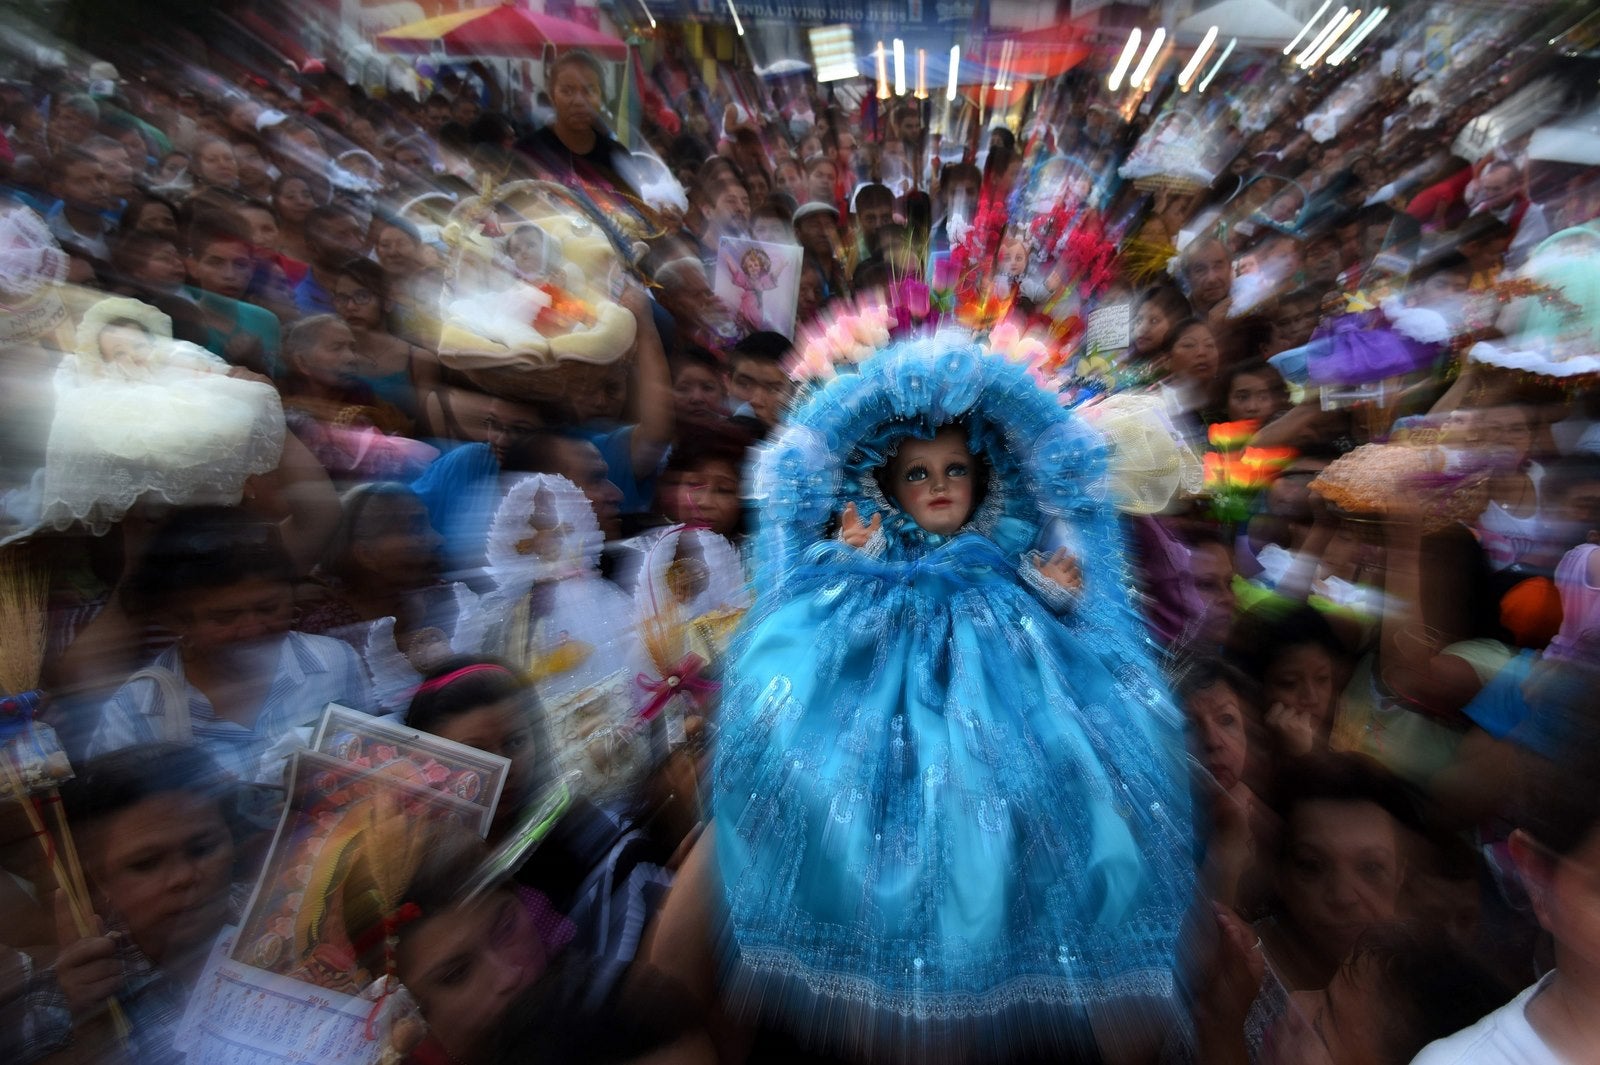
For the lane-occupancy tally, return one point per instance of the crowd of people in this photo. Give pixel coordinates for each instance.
(451, 409)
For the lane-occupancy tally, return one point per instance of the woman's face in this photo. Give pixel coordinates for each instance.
(164, 865)
(331, 358)
(155, 217)
(163, 268)
(1217, 723)
(1341, 873)
(707, 495)
(263, 227)
(356, 303)
(699, 393)
(792, 179)
(1302, 679)
(500, 728)
(294, 201)
(1194, 355)
(932, 481)
(468, 966)
(398, 253)
(215, 165)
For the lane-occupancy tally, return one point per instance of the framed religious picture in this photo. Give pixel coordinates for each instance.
(760, 283)
(345, 845)
(466, 773)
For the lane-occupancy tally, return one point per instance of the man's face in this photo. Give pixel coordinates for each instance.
(435, 115)
(336, 241)
(730, 211)
(70, 125)
(911, 126)
(761, 384)
(84, 187)
(1210, 275)
(506, 423)
(580, 462)
(872, 215)
(464, 110)
(1497, 188)
(575, 92)
(119, 172)
(815, 234)
(224, 267)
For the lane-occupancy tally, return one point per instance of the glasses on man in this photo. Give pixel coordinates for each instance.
(359, 298)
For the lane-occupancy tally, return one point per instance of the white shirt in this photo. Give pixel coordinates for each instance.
(1504, 1037)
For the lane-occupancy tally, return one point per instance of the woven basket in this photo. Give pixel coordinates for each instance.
(1377, 480)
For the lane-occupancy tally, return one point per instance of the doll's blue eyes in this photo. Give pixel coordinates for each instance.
(920, 473)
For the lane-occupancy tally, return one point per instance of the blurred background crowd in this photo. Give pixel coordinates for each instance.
(295, 295)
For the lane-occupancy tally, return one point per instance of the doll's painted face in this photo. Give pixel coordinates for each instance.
(933, 481)
(126, 343)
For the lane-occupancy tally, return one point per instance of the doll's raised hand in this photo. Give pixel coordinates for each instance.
(1061, 569)
(851, 529)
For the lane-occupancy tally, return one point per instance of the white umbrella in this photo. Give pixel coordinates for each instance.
(1255, 22)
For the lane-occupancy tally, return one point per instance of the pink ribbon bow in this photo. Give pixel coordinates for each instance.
(683, 679)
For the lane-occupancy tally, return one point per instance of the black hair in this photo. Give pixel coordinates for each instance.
(133, 247)
(694, 355)
(1341, 777)
(707, 444)
(873, 192)
(432, 706)
(122, 779)
(578, 57)
(1262, 637)
(763, 346)
(1203, 674)
(204, 548)
(129, 219)
(1557, 803)
(355, 507)
(1252, 367)
(536, 450)
(214, 226)
(1168, 299)
(366, 273)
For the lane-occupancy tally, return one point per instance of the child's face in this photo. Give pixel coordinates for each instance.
(932, 481)
(1251, 397)
(1013, 258)
(125, 344)
(752, 265)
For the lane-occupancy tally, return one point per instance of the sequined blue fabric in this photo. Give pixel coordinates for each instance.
(945, 812)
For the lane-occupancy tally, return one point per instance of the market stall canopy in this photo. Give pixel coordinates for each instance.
(502, 30)
(1257, 23)
(1036, 55)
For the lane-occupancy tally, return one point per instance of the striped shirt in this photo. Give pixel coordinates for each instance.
(311, 672)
